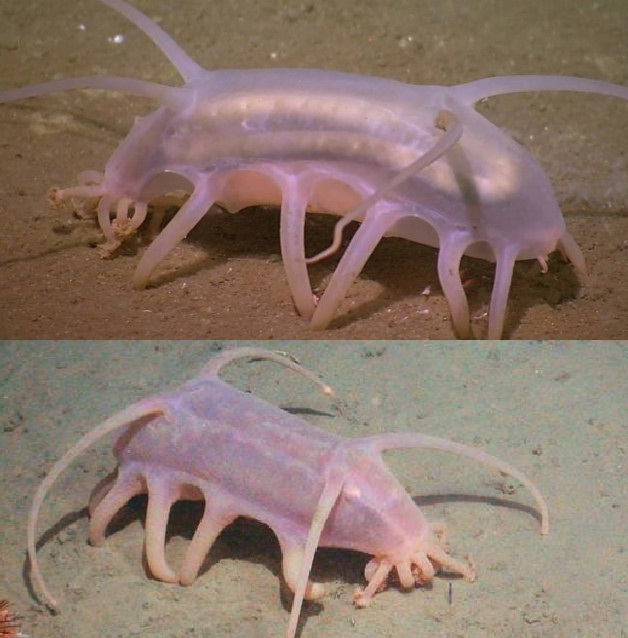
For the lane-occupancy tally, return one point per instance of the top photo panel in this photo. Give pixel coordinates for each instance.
(313, 170)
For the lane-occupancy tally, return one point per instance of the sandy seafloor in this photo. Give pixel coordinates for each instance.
(554, 410)
(227, 280)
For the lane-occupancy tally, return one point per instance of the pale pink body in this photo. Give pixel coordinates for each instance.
(246, 457)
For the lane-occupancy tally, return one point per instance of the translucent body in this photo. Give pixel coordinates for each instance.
(416, 162)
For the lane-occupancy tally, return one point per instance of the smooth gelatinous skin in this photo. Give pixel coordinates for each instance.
(245, 457)
(416, 162)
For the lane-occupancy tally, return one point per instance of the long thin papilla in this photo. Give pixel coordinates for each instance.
(446, 121)
(472, 92)
(334, 482)
(220, 361)
(121, 419)
(185, 65)
(162, 93)
(399, 440)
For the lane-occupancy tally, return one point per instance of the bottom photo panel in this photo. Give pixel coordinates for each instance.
(312, 488)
